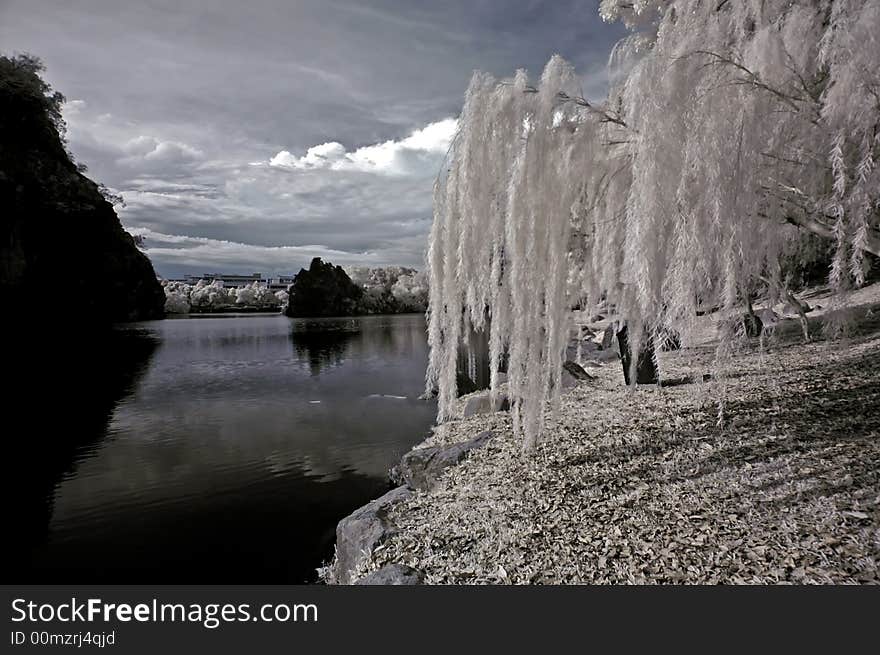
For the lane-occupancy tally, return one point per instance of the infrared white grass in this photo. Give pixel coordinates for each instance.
(732, 131)
(644, 486)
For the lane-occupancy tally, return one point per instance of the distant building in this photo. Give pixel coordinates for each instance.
(281, 282)
(228, 279)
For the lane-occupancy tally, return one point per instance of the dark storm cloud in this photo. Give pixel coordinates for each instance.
(202, 114)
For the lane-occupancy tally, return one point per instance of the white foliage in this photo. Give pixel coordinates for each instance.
(177, 297)
(500, 239)
(411, 292)
(180, 297)
(206, 294)
(730, 120)
(391, 288)
(246, 295)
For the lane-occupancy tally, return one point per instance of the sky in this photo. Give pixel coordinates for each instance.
(252, 136)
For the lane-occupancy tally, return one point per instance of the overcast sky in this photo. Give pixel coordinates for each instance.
(252, 136)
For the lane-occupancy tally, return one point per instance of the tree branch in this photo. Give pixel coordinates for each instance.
(810, 224)
(753, 79)
(605, 116)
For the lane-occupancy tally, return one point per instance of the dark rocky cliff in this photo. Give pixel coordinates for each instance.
(62, 248)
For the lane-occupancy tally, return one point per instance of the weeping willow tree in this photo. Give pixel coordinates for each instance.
(731, 130)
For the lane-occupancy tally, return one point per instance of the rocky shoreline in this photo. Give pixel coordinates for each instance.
(647, 485)
(366, 529)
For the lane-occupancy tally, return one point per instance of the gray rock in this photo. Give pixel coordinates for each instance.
(601, 356)
(359, 533)
(481, 403)
(572, 374)
(421, 468)
(587, 348)
(393, 574)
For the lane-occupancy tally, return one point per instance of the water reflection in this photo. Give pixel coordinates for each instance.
(226, 453)
(64, 393)
(322, 343)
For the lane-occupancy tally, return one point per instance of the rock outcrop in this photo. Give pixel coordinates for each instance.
(62, 248)
(573, 373)
(421, 468)
(359, 533)
(393, 574)
(483, 403)
(365, 529)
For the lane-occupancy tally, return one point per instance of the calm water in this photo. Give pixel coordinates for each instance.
(209, 449)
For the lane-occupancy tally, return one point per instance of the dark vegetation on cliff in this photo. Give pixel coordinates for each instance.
(62, 247)
(323, 290)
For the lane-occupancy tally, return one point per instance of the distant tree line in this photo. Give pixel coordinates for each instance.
(322, 290)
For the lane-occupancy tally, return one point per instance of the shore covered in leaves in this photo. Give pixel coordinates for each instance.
(765, 470)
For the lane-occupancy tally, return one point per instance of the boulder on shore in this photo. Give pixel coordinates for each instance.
(482, 403)
(359, 533)
(573, 373)
(422, 468)
(365, 529)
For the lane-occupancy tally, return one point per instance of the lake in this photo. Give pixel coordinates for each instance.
(209, 449)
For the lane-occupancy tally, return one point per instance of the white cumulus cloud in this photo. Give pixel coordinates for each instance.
(152, 149)
(419, 153)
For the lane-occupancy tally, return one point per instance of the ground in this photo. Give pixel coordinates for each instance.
(768, 471)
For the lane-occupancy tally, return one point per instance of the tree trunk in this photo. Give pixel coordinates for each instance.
(801, 308)
(752, 325)
(646, 367)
